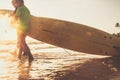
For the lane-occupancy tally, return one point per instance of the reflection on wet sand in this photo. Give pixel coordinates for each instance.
(53, 63)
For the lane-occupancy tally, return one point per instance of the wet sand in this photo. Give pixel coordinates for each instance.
(54, 63)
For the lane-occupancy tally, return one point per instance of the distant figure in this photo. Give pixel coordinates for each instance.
(117, 25)
(21, 16)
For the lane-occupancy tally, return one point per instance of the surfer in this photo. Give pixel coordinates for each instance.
(21, 16)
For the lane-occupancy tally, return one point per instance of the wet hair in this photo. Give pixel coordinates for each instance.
(21, 1)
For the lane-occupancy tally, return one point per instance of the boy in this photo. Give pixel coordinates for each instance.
(22, 18)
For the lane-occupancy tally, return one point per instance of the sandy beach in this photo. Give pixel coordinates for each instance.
(55, 63)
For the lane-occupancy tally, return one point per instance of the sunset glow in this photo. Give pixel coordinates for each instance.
(57, 63)
(6, 31)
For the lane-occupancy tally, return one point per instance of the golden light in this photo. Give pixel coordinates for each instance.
(6, 32)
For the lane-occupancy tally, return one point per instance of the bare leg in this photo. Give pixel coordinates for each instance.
(19, 51)
(23, 47)
(27, 51)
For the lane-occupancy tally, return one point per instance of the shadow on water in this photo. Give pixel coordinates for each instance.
(93, 69)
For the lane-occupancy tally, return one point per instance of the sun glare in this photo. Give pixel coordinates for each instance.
(6, 32)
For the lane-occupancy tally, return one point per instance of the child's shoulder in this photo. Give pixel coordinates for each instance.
(22, 8)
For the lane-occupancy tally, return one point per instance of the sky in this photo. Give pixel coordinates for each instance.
(101, 14)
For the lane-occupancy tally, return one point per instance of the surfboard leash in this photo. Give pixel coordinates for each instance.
(67, 51)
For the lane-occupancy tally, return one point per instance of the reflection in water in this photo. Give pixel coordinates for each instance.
(53, 63)
(12, 68)
(8, 68)
(42, 68)
(24, 67)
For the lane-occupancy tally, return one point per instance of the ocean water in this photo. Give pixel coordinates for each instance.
(50, 63)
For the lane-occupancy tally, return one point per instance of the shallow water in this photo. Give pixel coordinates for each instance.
(48, 62)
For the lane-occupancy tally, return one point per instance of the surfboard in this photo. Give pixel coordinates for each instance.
(73, 36)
